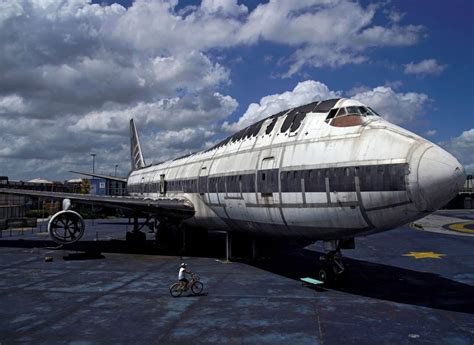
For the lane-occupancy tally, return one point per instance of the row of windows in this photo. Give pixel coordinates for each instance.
(292, 121)
(388, 177)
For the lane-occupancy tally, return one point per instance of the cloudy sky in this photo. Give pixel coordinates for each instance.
(72, 73)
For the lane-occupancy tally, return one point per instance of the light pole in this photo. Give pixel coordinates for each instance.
(116, 166)
(93, 162)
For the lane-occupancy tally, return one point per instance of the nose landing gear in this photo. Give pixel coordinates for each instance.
(333, 269)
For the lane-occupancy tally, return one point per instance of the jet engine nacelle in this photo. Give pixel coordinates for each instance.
(66, 227)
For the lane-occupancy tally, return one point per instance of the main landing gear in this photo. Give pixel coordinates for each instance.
(333, 269)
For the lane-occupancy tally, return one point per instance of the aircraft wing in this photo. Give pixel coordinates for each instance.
(105, 177)
(178, 208)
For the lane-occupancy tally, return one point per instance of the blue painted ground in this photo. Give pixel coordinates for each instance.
(120, 297)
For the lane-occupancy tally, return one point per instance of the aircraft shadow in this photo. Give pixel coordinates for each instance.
(378, 281)
(363, 278)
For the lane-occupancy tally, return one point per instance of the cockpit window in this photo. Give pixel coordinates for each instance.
(373, 111)
(332, 113)
(353, 110)
(341, 112)
(366, 111)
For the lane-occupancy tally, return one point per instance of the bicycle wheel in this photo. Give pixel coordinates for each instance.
(197, 287)
(176, 290)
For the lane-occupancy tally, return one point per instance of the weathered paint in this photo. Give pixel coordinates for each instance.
(375, 176)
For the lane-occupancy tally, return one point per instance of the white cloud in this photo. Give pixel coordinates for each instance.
(184, 141)
(395, 16)
(462, 147)
(431, 132)
(305, 92)
(166, 114)
(429, 66)
(325, 33)
(193, 71)
(12, 104)
(394, 107)
(9, 9)
(73, 72)
(225, 7)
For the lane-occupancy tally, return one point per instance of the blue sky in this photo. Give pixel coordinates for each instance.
(191, 72)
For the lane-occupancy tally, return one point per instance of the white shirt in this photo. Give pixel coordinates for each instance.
(181, 274)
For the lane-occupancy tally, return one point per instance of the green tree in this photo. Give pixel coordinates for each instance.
(85, 186)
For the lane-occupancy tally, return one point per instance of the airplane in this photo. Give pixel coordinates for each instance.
(329, 171)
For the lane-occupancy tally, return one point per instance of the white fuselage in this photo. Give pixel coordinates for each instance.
(318, 181)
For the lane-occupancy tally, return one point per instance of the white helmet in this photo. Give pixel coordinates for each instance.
(183, 265)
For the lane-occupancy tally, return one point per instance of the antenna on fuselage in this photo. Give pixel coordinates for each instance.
(135, 149)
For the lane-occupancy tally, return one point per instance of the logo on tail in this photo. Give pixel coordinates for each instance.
(135, 149)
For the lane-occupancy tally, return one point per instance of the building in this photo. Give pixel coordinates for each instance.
(100, 186)
(12, 207)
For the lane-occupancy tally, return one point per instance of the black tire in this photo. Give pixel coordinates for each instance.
(326, 275)
(197, 287)
(323, 275)
(176, 290)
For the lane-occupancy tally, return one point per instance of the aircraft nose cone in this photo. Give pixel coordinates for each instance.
(440, 178)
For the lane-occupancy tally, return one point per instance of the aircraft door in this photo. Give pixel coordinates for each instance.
(162, 184)
(203, 182)
(268, 214)
(267, 177)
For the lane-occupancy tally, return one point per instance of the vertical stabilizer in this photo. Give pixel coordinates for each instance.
(135, 149)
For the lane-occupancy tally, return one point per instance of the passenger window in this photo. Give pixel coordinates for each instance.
(263, 176)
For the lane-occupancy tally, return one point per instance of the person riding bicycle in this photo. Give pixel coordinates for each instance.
(182, 274)
(183, 284)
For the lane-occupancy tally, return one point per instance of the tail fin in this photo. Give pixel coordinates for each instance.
(135, 149)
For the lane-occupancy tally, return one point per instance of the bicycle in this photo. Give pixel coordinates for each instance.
(176, 289)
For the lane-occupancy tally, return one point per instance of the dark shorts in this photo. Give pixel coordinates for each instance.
(184, 280)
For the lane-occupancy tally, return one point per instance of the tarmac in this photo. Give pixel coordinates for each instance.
(411, 285)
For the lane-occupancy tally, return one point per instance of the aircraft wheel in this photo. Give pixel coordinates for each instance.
(323, 276)
(326, 275)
